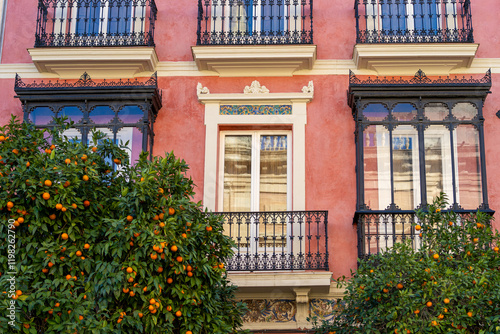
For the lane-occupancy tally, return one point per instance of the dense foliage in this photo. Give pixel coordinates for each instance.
(100, 246)
(451, 284)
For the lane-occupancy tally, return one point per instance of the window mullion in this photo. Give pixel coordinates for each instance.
(392, 167)
(255, 177)
(421, 159)
(453, 166)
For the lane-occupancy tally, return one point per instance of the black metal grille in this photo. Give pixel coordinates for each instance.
(247, 22)
(379, 231)
(413, 21)
(71, 23)
(290, 240)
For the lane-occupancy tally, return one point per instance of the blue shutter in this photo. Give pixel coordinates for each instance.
(393, 16)
(426, 17)
(249, 14)
(119, 18)
(273, 16)
(88, 17)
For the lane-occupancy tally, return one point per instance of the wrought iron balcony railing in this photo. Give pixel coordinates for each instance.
(413, 21)
(378, 231)
(289, 240)
(75, 23)
(248, 22)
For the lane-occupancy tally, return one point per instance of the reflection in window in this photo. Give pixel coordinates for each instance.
(41, 116)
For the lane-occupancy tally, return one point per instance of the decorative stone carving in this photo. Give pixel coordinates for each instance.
(309, 88)
(255, 110)
(255, 88)
(267, 310)
(202, 90)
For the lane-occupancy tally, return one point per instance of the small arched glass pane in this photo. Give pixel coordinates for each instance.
(41, 115)
(464, 111)
(72, 113)
(375, 112)
(102, 115)
(469, 189)
(404, 112)
(130, 114)
(436, 111)
(134, 145)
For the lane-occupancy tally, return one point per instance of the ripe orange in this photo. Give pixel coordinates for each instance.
(169, 280)
(475, 240)
(130, 218)
(117, 161)
(416, 311)
(160, 269)
(85, 178)
(171, 211)
(64, 236)
(435, 256)
(151, 307)
(178, 313)
(400, 286)
(10, 205)
(496, 249)
(50, 264)
(179, 259)
(152, 301)
(446, 301)
(190, 274)
(59, 206)
(132, 294)
(209, 228)
(80, 317)
(46, 196)
(130, 270)
(154, 256)
(418, 227)
(173, 248)
(57, 305)
(48, 183)
(189, 268)
(130, 279)
(45, 270)
(162, 224)
(469, 314)
(428, 304)
(68, 277)
(20, 220)
(28, 164)
(440, 316)
(189, 332)
(78, 253)
(87, 246)
(140, 315)
(86, 203)
(144, 289)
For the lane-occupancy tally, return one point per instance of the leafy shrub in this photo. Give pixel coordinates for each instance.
(451, 284)
(106, 250)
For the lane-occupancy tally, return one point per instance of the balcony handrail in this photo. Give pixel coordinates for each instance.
(379, 230)
(255, 22)
(278, 240)
(83, 23)
(413, 21)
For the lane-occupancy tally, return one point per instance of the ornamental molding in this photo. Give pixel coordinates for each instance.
(201, 90)
(255, 88)
(255, 94)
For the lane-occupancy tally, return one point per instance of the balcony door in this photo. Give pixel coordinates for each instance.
(95, 17)
(256, 176)
(252, 17)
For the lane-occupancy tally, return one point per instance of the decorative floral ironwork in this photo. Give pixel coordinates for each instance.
(420, 79)
(288, 240)
(85, 23)
(247, 22)
(255, 110)
(86, 81)
(270, 310)
(430, 21)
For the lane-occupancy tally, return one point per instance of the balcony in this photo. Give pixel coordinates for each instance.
(262, 35)
(277, 241)
(396, 36)
(67, 32)
(378, 231)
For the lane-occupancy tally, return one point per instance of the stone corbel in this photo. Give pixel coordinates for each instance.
(302, 299)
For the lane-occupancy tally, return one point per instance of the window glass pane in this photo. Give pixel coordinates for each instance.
(469, 166)
(375, 112)
(464, 111)
(273, 173)
(438, 170)
(404, 111)
(406, 167)
(73, 113)
(41, 115)
(74, 135)
(377, 167)
(130, 114)
(102, 115)
(134, 138)
(237, 173)
(436, 111)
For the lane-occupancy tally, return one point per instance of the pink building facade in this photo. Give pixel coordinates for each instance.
(315, 129)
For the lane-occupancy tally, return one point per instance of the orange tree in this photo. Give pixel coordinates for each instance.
(86, 247)
(451, 284)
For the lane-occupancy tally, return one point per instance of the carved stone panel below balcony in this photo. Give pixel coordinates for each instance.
(254, 60)
(98, 62)
(406, 59)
